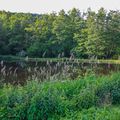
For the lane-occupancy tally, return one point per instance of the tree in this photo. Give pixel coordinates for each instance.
(95, 43)
(63, 28)
(113, 34)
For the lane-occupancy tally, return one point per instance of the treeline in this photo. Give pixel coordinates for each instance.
(84, 34)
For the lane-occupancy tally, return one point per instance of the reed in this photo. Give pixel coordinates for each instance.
(48, 70)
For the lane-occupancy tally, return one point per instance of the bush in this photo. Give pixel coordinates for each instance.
(109, 90)
(59, 99)
(93, 113)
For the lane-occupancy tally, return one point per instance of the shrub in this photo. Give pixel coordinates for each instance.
(48, 100)
(109, 90)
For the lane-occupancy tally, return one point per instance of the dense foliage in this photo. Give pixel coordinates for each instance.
(90, 98)
(85, 35)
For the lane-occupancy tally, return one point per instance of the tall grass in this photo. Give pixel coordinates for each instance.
(19, 72)
(88, 98)
(49, 70)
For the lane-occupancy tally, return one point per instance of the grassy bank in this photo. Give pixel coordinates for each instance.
(89, 98)
(10, 58)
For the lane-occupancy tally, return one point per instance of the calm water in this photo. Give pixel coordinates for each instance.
(19, 72)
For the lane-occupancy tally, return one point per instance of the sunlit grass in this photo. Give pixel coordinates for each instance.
(10, 58)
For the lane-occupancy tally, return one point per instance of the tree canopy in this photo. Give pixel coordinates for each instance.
(84, 34)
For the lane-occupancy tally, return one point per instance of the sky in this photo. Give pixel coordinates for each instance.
(48, 6)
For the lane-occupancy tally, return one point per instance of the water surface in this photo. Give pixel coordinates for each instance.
(20, 71)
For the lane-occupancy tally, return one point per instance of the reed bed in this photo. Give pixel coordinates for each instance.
(47, 70)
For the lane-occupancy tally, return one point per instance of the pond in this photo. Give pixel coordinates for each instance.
(20, 71)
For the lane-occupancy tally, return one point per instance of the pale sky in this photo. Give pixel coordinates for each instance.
(48, 6)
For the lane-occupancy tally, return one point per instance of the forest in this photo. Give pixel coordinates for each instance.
(82, 34)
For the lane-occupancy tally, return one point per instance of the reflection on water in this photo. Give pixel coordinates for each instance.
(19, 72)
(21, 64)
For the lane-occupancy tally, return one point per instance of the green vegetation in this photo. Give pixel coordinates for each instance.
(89, 98)
(10, 58)
(85, 35)
(81, 37)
